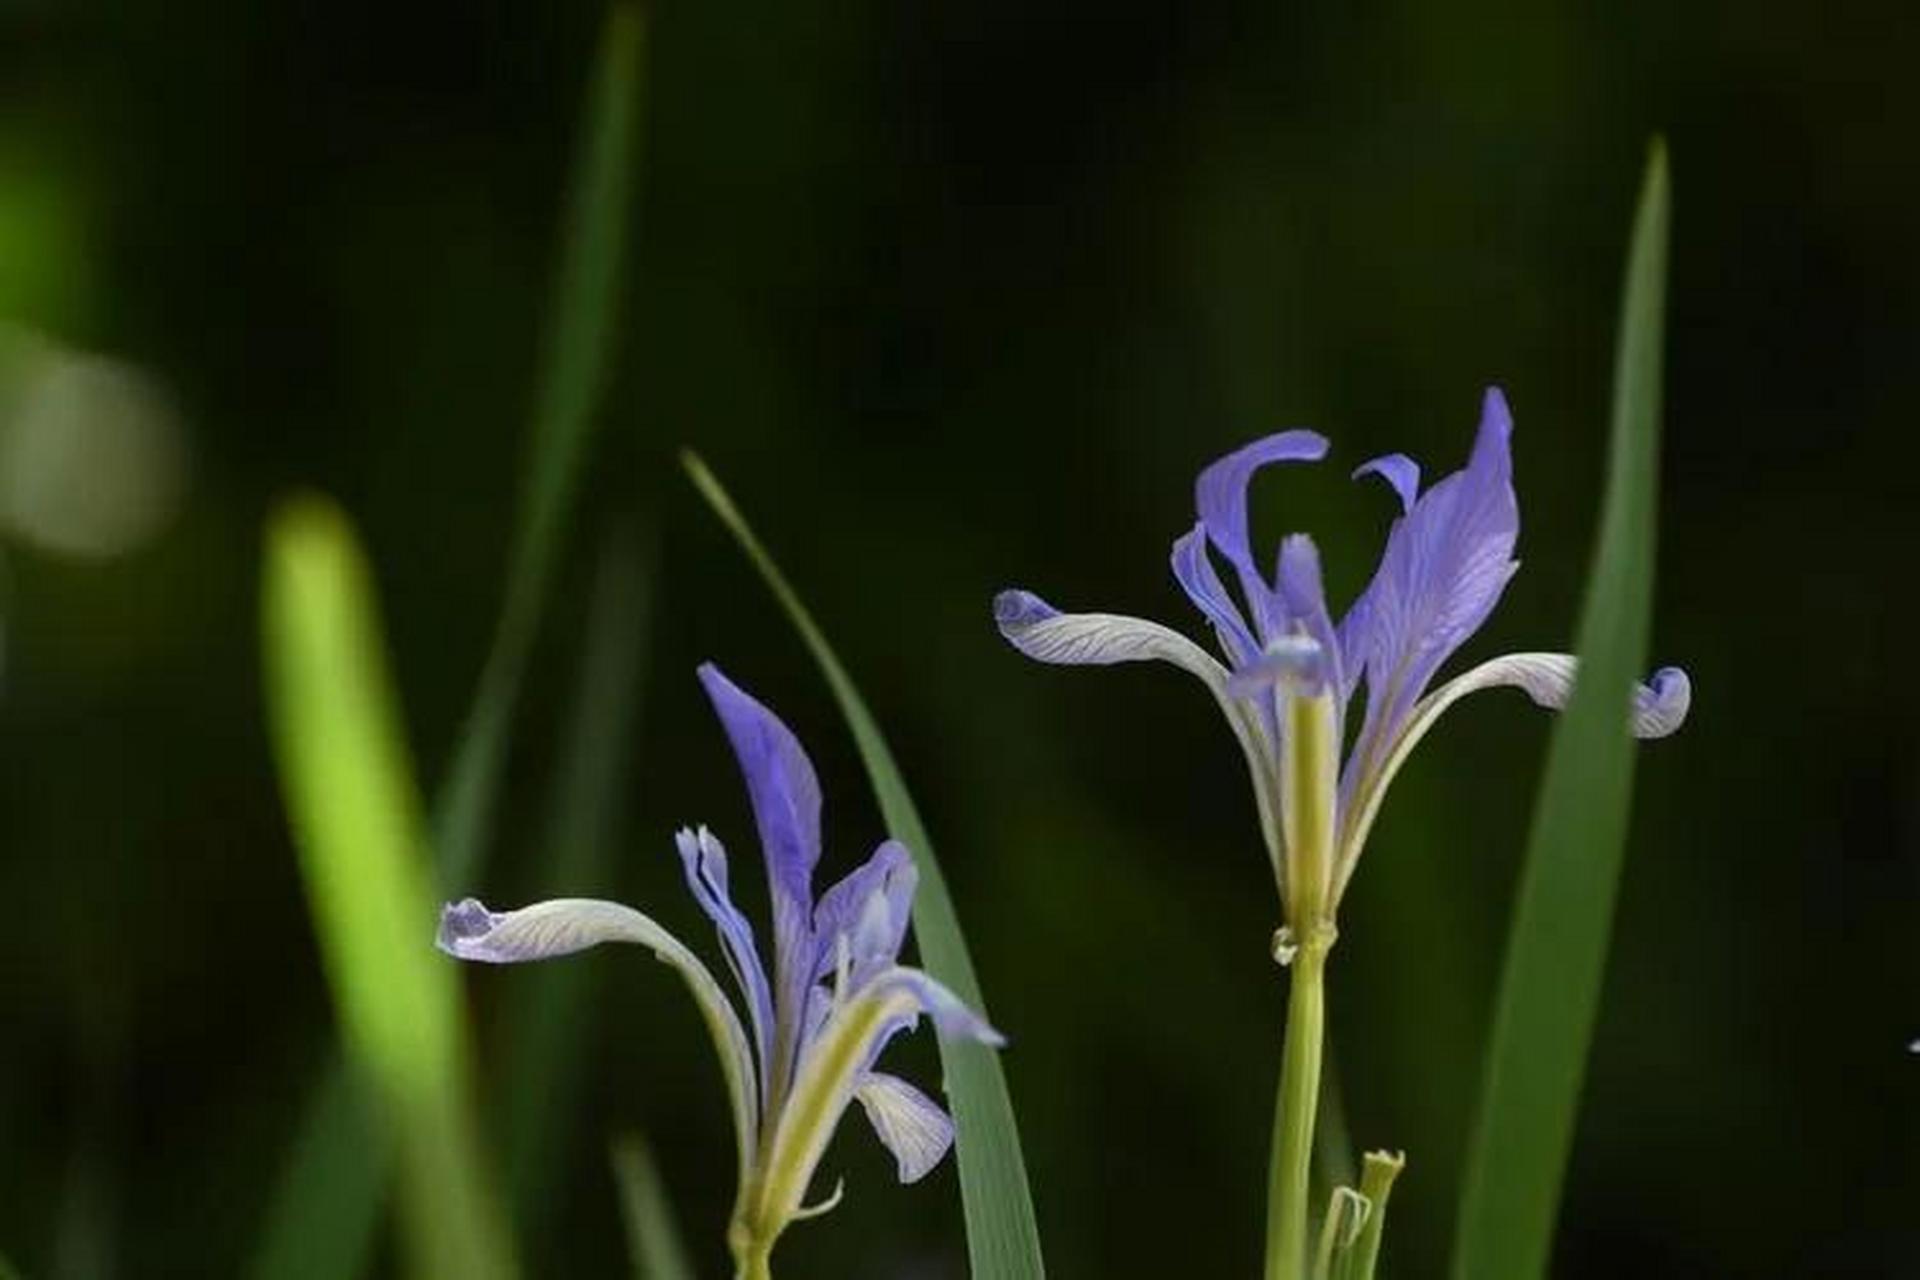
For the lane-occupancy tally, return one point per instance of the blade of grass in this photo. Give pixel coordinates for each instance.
(1003, 1241)
(328, 1198)
(1556, 952)
(653, 1241)
(546, 1009)
(320, 1221)
(357, 825)
(585, 308)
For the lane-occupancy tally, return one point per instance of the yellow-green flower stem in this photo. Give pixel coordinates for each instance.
(753, 1264)
(822, 1088)
(1376, 1182)
(1309, 771)
(1295, 1110)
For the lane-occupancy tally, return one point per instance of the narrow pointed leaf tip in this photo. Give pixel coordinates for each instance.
(1555, 965)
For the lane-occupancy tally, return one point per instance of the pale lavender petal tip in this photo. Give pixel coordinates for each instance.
(1660, 706)
(464, 926)
(1014, 610)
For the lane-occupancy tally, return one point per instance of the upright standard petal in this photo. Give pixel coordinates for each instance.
(887, 877)
(1398, 470)
(704, 859)
(563, 926)
(1220, 497)
(780, 782)
(785, 794)
(911, 1125)
(1446, 563)
(1193, 570)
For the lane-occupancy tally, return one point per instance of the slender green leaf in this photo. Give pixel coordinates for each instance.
(322, 1216)
(585, 311)
(7, 1270)
(1556, 953)
(339, 1160)
(548, 1010)
(1003, 1242)
(363, 850)
(653, 1240)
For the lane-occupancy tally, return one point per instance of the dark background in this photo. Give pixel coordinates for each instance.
(958, 296)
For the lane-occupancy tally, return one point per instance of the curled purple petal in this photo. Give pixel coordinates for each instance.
(1193, 570)
(1398, 470)
(464, 926)
(1220, 494)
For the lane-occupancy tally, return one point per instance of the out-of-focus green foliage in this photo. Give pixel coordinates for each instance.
(548, 1018)
(331, 1191)
(363, 850)
(653, 1240)
(1557, 948)
(585, 310)
(1002, 1238)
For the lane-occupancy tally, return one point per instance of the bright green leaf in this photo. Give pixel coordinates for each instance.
(321, 1219)
(1003, 1242)
(1556, 954)
(350, 797)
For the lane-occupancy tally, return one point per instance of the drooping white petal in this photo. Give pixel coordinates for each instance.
(910, 1123)
(1045, 634)
(562, 926)
(1658, 708)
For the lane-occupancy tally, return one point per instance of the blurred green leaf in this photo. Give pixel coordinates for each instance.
(1003, 1242)
(653, 1241)
(585, 308)
(320, 1220)
(356, 821)
(1556, 954)
(330, 1193)
(547, 1010)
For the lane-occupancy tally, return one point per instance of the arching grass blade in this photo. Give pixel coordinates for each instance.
(653, 1240)
(1557, 950)
(1003, 1241)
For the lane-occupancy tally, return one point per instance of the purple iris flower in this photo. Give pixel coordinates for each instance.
(1293, 675)
(815, 1024)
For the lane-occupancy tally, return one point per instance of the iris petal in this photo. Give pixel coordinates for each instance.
(1658, 708)
(1043, 633)
(785, 795)
(1193, 569)
(910, 1124)
(1446, 563)
(704, 859)
(1398, 470)
(562, 926)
